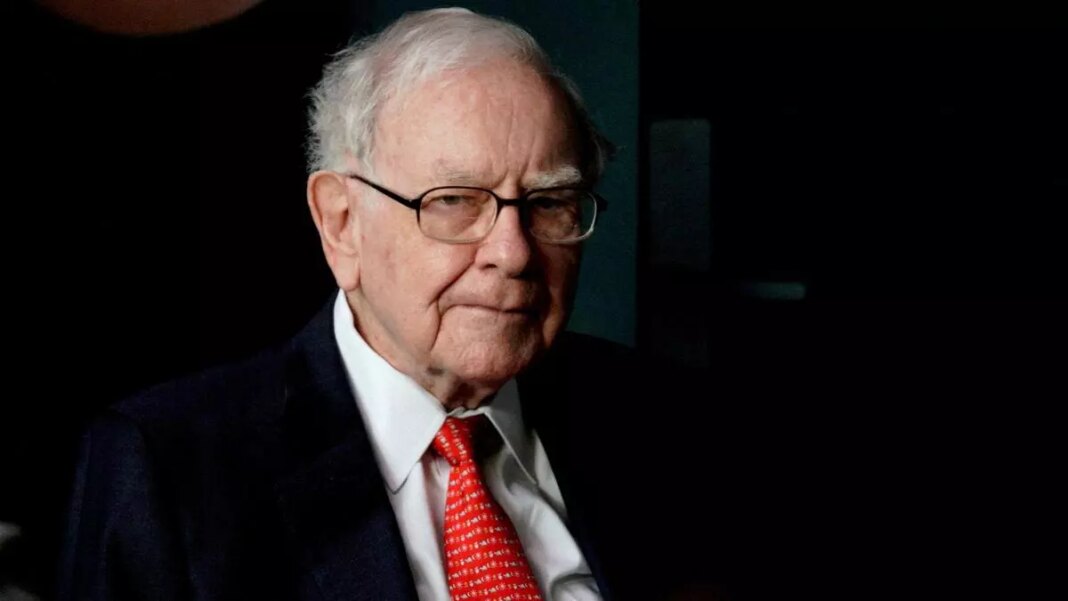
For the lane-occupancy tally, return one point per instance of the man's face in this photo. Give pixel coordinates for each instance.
(476, 313)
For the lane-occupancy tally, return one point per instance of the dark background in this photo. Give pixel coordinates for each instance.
(892, 430)
(877, 294)
(155, 222)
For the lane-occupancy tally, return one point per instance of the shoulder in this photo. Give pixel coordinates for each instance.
(249, 391)
(194, 442)
(237, 397)
(184, 465)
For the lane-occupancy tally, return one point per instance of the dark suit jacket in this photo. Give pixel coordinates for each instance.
(257, 481)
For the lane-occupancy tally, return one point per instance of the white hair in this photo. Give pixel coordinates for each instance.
(362, 77)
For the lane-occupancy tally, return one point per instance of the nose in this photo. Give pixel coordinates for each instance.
(507, 247)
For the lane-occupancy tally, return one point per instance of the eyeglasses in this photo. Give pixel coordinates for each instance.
(462, 214)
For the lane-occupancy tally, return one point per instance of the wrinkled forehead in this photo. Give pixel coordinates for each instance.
(481, 126)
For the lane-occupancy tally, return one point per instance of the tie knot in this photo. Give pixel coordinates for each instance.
(454, 439)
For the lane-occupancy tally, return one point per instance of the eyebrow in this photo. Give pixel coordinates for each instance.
(565, 175)
(458, 177)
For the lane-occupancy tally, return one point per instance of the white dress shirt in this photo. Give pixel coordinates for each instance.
(402, 419)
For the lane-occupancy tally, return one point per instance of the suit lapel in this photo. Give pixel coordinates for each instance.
(331, 494)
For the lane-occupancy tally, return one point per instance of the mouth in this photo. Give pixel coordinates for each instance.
(506, 311)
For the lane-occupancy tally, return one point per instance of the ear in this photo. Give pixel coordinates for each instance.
(328, 200)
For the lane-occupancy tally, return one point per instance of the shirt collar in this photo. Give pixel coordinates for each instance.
(402, 418)
(506, 415)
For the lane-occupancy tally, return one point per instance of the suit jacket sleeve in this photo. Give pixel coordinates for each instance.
(121, 541)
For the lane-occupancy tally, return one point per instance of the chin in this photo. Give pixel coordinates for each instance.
(493, 363)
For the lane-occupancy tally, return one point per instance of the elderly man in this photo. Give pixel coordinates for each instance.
(419, 439)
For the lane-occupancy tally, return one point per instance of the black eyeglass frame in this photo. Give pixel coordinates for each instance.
(416, 205)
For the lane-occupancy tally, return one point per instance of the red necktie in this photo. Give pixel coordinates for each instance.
(483, 557)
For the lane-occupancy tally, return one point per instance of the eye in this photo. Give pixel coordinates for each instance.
(457, 201)
(560, 200)
(548, 203)
(450, 201)
(453, 200)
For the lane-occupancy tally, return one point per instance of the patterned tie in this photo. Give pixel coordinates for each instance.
(483, 556)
